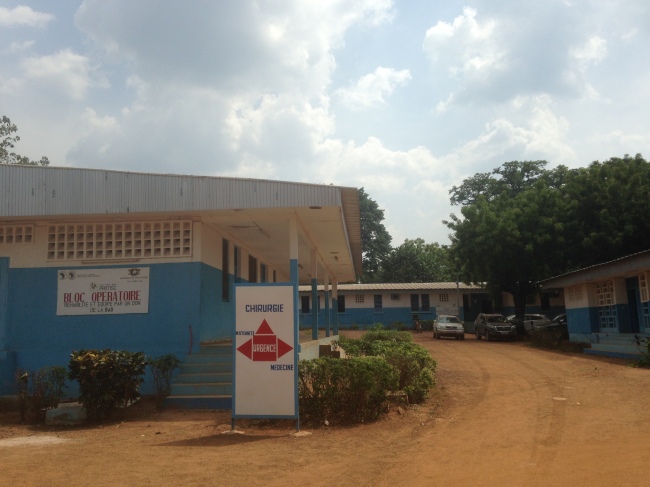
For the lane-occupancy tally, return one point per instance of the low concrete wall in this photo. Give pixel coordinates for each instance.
(310, 350)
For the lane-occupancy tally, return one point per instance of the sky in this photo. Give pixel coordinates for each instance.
(403, 98)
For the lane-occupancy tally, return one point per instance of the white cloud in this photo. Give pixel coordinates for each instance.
(467, 46)
(22, 15)
(372, 89)
(593, 51)
(66, 70)
(19, 47)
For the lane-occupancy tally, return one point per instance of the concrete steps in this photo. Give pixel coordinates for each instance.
(618, 345)
(204, 380)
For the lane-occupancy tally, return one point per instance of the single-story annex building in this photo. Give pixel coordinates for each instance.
(608, 301)
(94, 259)
(393, 304)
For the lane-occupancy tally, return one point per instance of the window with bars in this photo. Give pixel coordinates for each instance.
(607, 317)
(16, 234)
(605, 302)
(359, 298)
(605, 293)
(643, 287)
(89, 241)
(443, 297)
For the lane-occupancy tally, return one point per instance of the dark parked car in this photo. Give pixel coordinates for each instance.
(448, 326)
(494, 326)
(557, 323)
(530, 321)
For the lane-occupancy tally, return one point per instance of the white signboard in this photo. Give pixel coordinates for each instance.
(102, 291)
(266, 375)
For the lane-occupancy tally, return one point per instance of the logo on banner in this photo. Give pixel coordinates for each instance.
(265, 346)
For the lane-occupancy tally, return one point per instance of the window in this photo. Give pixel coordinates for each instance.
(103, 241)
(415, 302)
(237, 256)
(546, 301)
(378, 303)
(605, 293)
(643, 288)
(358, 298)
(605, 302)
(304, 304)
(263, 273)
(607, 317)
(16, 234)
(252, 269)
(340, 302)
(425, 302)
(443, 297)
(275, 277)
(394, 297)
(225, 270)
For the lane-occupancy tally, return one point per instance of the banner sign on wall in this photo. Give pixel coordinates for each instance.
(265, 361)
(102, 291)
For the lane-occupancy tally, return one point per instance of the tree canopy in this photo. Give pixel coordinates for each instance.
(522, 223)
(375, 239)
(8, 139)
(417, 261)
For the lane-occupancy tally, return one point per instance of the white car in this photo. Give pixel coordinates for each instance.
(448, 326)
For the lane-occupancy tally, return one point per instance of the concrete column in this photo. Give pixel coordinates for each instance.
(314, 295)
(335, 306)
(326, 297)
(293, 270)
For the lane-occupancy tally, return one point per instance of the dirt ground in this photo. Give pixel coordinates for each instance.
(503, 414)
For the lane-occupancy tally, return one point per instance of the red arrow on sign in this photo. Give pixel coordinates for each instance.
(265, 346)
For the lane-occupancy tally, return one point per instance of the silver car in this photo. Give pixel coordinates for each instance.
(448, 326)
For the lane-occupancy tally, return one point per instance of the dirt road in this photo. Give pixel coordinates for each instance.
(503, 415)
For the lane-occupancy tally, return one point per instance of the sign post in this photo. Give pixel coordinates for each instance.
(265, 355)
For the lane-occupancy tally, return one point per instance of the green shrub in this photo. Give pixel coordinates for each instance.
(398, 326)
(644, 347)
(415, 366)
(107, 379)
(550, 338)
(162, 370)
(40, 390)
(346, 391)
(387, 335)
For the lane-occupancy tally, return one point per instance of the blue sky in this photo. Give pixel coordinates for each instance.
(403, 98)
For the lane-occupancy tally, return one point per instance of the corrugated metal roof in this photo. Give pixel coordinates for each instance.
(626, 264)
(403, 286)
(327, 215)
(35, 190)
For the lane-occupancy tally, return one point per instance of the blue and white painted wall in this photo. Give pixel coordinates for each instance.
(187, 303)
(612, 298)
(363, 305)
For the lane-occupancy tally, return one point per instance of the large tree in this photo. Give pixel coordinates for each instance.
(8, 139)
(607, 210)
(417, 261)
(375, 239)
(522, 223)
(509, 235)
